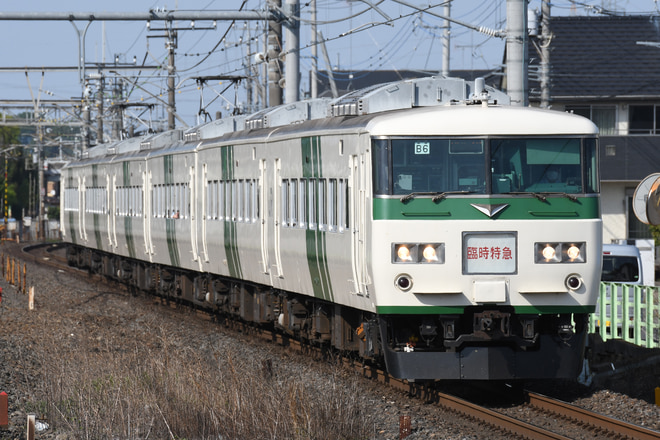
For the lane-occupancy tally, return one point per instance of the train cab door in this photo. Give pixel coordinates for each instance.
(192, 198)
(275, 195)
(147, 190)
(358, 198)
(81, 213)
(109, 209)
(263, 214)
(203, 218)
(270, 183)
(113, 207)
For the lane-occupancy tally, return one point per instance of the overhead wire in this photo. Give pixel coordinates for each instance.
(218, 43)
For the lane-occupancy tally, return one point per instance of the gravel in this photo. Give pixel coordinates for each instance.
(76, 311)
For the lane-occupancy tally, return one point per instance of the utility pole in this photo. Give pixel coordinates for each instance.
(446, 39)
(87, 121)
(545, 54)
(314, 87)
(274, 63)
(292, 41)
(171, 71)
(516, 52)
(99, 109)
(249, 98)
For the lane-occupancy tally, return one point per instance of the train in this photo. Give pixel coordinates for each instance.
(425, 225)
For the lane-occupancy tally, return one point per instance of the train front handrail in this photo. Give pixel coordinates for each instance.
(628, 312)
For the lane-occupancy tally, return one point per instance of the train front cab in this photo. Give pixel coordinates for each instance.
(483, 283)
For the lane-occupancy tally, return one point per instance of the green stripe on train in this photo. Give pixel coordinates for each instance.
(459, 310)
(170, 225)
(72, 225)
(520, 208)
(128, 220)
(96, 216)
(317, 261)
(230, 232)
(72, 229)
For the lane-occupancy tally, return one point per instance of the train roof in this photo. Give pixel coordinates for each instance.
(373, 108)
(480, 120)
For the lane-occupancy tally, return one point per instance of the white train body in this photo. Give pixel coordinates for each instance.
(321, 228)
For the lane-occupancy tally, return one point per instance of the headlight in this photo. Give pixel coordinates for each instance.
(424, 253)
(403, 253)
(549, 252)
(560, 252)
(573, 252)
(430, 253)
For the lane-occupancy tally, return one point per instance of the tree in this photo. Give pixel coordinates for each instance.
(17, 184)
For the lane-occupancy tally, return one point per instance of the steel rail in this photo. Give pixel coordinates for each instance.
(596, 420)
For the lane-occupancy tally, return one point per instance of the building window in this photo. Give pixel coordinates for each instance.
(604, 116)
(636, 229)
(643, 119)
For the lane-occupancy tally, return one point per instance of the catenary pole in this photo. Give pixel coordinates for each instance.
(516, 52)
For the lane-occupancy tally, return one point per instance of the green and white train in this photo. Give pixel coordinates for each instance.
(425, 224)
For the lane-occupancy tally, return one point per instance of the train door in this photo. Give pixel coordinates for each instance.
(205, 200)
(113, 207)
(81, 211)
(191, 201)
(358, 195)
(146, 209)
(270, 211)
(263, 211)
(109, 209)
(275, 194)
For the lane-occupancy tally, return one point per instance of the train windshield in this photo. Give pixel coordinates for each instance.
(485, 166)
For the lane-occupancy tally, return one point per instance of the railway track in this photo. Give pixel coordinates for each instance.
(571, 418)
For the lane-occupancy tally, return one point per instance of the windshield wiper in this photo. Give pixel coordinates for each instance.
(437, 196)
(542, 195)
(571, 197)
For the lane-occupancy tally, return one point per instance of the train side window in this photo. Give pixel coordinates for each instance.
(247, 203)
(238, 192)
(322, 197)
(227, 204)
(284, 194)
(219, 193)
(293, 203)
(381, 166)
(134, 199)
(125, 200)
(254, 201)
(332, 205)
(71, 199)
(257, 203)
(154, 201)
(302, 204)
(311, 204)
(161, 201)
(176, 200)
(140, 201)
(245, 196)
(209, 200)
(342, 197)
(234, 200)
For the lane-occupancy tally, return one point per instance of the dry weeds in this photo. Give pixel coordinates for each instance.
(169, 389)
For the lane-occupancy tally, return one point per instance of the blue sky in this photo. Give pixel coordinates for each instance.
(412, 42)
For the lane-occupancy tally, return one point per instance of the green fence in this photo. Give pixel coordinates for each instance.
(628, 312)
